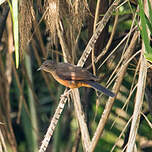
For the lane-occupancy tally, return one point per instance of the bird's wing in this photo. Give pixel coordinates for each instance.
(71, 72)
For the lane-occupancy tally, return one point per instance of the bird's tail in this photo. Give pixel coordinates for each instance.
(100, 88)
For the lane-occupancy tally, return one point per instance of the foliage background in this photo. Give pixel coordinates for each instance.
(28, 98)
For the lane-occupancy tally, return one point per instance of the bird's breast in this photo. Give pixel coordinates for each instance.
(69, 83)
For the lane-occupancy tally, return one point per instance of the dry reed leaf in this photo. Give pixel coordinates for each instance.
(51, 14)
(25, 24)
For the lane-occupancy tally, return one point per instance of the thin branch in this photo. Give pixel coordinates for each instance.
(122, 132)
(66, 51)
(19, 86)
(53, 123)
(81, 119)
(2, 142)
(3, 17)
(138, 103)
(95, 36)
(110, 39)
(148, 121)
(8, 75)
(128, 37)
(94, 29)
(76, 141)
(116, 87)
(37, 32)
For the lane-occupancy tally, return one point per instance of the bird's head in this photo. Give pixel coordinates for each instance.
(48, 66)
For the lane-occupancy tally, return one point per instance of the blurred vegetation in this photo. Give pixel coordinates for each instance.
(51, 29)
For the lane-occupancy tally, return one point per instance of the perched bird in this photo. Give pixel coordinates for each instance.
(73, 76)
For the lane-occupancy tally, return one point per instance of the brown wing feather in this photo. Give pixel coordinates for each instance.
(71, 72)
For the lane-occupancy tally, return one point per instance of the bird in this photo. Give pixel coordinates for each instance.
(73, 76)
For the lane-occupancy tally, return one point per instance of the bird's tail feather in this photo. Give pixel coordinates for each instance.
(100, 88)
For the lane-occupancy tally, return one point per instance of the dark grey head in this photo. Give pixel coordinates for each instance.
(48, 66)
